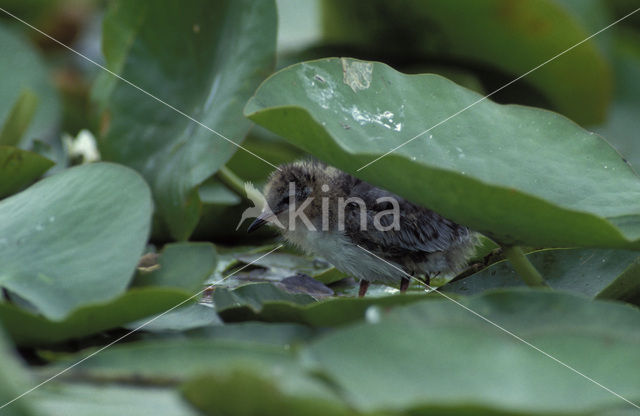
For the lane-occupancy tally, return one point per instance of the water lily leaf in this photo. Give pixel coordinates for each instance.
(265, 302)
(30, 329)
(181, 265)
(489, 33)
(272, 392)
(19, 168)
(230, 48)
(438, 356)
(610, 274)
(171, 359)
(74, 238)
(234, 370)
(330, 275)
(519, 175)
(27, 73)
(257, 332)
(254, 295)
(288, 264)
(13, 381)
(71, 399)
(185, 318)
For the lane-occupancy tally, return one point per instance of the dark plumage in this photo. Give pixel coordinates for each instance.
(420, 241)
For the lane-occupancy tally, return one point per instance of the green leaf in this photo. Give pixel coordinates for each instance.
(181, 265)
(261, 390)
(25, 71)
(225, 48)
(235, 375)
(254, 295)
(107, 400)
(526, 176)
(512, 37)
(282, 334)
(330, 275)
(265, 302)
(170, 359)
(74, 238)
(288, 264)
(437, 356)
(19, 118)
(611, 274)
(19, 168)
(13, 381)
(28, 329)
(185, 318)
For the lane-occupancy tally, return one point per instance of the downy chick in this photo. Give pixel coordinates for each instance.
(329, 213)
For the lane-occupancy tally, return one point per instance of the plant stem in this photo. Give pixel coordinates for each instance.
(523, 266)
(231, 180)
(236, 184)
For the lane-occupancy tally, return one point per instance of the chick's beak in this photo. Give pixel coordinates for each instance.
(260, 221)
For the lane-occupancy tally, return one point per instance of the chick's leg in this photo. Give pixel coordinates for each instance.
(404, 284)
(364, 285)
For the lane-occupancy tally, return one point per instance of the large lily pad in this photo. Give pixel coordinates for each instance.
(239, 377)
(436, 355)
(28, 329)
(224, 49)
(74, 238)
(80, 399)
(273, 390)
(519, 175)
(172, 359)
(258, 332)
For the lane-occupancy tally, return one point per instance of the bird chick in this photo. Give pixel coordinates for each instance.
(329, 213)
